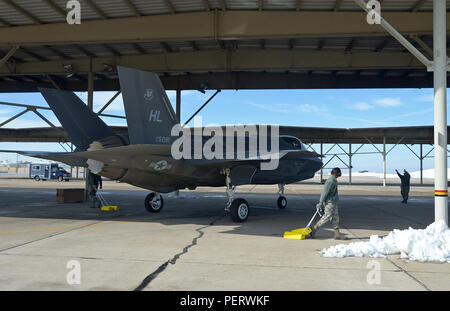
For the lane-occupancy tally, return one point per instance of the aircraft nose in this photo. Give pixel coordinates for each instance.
(317, 164)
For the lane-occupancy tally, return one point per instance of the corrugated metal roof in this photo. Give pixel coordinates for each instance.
(118, 8)
(40, 10)
(307, 43)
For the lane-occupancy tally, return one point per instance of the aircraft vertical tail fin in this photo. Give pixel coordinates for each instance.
(81, 124)
(150, 115)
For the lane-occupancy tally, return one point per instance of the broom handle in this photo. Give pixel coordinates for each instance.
(309, 223)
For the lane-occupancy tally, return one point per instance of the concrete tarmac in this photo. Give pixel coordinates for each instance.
(192, 245)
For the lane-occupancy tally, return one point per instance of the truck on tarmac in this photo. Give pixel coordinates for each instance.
(44, 171)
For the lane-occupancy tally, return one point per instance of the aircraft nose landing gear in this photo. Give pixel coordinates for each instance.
(154, 202)
(238, 209)
(282, 201)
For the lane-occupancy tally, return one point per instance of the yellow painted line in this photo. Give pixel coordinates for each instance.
(60, 228)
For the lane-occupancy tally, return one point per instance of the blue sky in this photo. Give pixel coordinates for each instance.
(316, 108)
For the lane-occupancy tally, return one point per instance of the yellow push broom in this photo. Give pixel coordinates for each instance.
(301, 233)
(105, 205)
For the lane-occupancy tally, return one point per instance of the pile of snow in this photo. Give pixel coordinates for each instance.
(371, 174)
(426, 173)
(416, 174)
(430, 244)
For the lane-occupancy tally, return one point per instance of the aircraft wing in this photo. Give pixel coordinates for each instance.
(65, 157)
(136, 155)
(127, 156)
(285, 154)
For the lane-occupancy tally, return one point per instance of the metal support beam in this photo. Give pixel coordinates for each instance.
(109, 102)
(214, 25)
(52, 82)
(132, 7)
(418, 5)
(169, 6)
(203, 106)
(321, 168)
(14, 117)
(350, 164)
(56, 8)
(440, 110)
(227, 60)
(96, 9)
(421, 163)
(206, 5)
(8, 55)
(178, 104)
(397, 35)
(384, 161)
(90, 90)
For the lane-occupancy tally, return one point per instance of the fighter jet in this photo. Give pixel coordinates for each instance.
(149, 156)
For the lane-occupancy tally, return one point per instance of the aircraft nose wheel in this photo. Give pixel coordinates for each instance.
(282, 202)
(154, 202)
(239, 210)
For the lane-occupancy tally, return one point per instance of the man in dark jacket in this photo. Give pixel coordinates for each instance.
(94, 183)
(404, 187)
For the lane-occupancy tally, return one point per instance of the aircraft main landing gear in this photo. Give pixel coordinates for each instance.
(238, 209)
(282, 201)
(154, 202)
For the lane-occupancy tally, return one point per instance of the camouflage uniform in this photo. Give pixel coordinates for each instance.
(330, 198)
(331, 214)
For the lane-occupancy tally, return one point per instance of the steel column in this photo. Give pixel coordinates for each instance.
(321, 168)
(90, 90)
(421, 164)
(178, 105)
(440, 111)
(350, 164)
(91, 107)
(384, 161)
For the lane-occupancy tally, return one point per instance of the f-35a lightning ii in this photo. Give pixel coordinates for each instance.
(144, 157)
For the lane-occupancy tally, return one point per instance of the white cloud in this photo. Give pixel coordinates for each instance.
(288, 108)
(381, 102)
(389, 102)
(282, 108)
(361, 106)
(309, 108)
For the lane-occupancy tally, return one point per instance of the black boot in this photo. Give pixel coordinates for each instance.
(313, 231)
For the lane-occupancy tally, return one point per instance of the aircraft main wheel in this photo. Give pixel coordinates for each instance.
(154, 202)
(282, 202)
(239, 210)
(37, 178)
